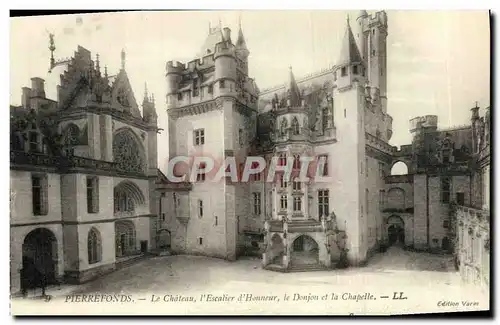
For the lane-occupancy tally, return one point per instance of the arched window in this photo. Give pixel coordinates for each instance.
(128, 153)
(295, 126)
(283, 126)
(296, 162)
(94, 247)
(399, 168)
(123, 201)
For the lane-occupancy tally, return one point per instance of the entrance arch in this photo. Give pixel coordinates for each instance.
(396, 230)
(164, 239)
(125, 238)
(305, 250)
(39, 265)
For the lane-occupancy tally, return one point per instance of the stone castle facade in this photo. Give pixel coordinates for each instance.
(83, 171)
(340, 113)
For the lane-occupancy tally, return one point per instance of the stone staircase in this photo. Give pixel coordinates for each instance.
(307, 268)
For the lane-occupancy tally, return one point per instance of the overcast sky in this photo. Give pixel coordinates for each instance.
(438, 61)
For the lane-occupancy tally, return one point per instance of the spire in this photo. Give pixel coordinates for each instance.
(241, 45)
(145, 91)
(97, 66)
(349, 51)
(293, 92)
(123, 59)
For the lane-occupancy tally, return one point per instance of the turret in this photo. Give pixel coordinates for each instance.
(241, 49)
(174, 70)
(349, 66)
(421, 124)
(361, 36)
(148, 107)
(225, 69)
(475, 113)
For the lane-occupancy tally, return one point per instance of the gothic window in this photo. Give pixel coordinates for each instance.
(283, 126)
(325, 118)
(123, 201)
(284, 202)
(323, 203)
(92, 194)
(71, 134)
(39, 191)
(296, 162)
(445, 189)
(295, 126)
(199, 137)
(297, 203)
(282, 159)
(323, 159)
(297, 185)
(94, 247)
(127, 152)
(257, 203)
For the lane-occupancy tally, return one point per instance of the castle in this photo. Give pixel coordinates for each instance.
(71, 156)
(340, 114)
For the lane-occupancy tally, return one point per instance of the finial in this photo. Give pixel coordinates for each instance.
(145, 90)
(477, 104)
(153, 98)
(347, 19)
(123, 59)
(106, 71)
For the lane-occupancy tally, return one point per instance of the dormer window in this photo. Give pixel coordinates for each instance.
(343, 72)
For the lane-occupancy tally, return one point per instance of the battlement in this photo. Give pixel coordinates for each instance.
(223, 48)
(379, 17)
(175, 67)
(201, 63)
(427, 121)
(404, 150)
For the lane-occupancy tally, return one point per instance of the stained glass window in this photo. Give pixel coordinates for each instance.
(127, 153)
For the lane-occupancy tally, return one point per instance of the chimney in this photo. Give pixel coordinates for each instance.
(227, 34)
(38, 87)
(25, 99)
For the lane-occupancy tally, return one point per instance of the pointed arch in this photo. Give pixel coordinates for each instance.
(94, 246)
(127, 196)
(128, 151)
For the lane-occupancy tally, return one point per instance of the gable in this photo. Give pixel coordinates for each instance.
(122, 96)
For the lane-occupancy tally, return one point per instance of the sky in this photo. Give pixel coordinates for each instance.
(438, 61)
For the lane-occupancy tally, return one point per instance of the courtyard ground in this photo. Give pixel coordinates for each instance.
(423, 279)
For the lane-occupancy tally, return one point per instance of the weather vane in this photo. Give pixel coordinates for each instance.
(52, 48)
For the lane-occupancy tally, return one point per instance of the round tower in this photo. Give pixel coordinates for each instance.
(359, 30)
(225, 69)
(173, 77)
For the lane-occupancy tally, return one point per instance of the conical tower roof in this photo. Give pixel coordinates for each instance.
(349, 52)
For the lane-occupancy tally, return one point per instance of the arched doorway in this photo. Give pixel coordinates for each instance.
(164, 239)
(396, 231)
(305, 251)
(125, 238)
(39, 265)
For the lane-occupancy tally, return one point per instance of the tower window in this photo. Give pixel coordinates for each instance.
(297, 203)
(199, 137)
(222, 84)
(200, 208)
(92, 194)
(323, 203)
(39, 190)
(211, 89)
(179, 96)
(284, 202)
(200, 241)
(355, 69)
(343, 72)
